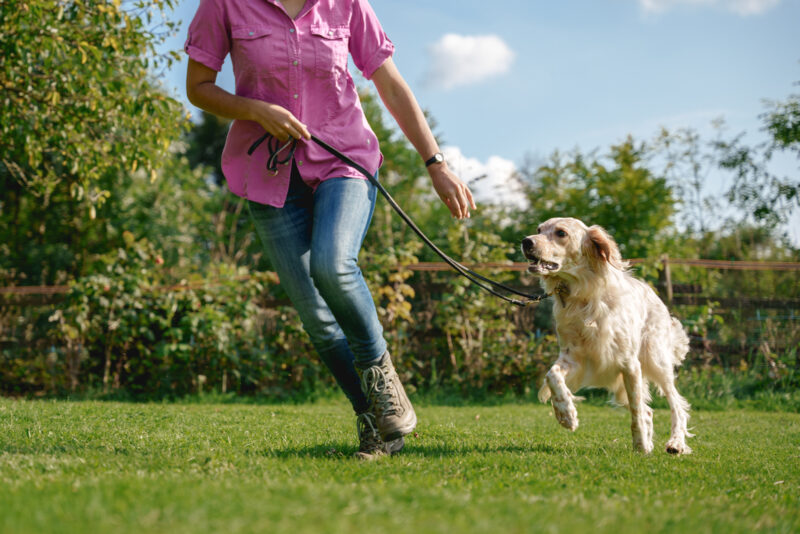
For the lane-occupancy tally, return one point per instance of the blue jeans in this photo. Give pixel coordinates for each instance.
(313, 243)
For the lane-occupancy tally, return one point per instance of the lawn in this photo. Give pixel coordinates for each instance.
(125, 467)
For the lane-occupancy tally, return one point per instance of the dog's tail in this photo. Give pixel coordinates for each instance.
(680, 342)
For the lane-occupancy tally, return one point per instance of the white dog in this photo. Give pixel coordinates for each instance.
(613, 330)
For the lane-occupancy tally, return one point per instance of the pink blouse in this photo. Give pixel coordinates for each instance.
(299, 64)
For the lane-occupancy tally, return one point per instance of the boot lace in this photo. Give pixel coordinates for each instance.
(368, 437)
(379, 389)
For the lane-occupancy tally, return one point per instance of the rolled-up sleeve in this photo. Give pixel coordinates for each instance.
(208, 41)
(369, 45)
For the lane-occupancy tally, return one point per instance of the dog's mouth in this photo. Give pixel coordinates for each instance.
(540, 266)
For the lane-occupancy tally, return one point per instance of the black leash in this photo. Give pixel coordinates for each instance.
(490, 285)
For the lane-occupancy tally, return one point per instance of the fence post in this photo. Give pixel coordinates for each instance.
(667, 277)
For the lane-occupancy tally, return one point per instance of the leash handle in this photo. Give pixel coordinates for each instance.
(469, 274)
(274, 150)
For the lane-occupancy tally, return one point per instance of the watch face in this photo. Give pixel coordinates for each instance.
(436, 158)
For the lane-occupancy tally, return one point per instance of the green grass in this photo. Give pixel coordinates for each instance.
(125, 467)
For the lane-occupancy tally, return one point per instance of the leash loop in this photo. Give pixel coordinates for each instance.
(275, 149)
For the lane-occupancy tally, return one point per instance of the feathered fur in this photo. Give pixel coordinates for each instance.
(613, 330)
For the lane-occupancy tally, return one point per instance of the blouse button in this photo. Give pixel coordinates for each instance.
(250, 33)
(291, 30)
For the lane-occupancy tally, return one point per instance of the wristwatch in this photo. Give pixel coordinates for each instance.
(436, 158)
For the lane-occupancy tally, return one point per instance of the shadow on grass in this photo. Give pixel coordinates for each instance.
(322, 451)
(339, 450)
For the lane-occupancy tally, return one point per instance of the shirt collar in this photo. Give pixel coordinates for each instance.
(309, 5)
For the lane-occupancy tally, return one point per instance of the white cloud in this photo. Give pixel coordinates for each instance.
(741, 7)
(464, 59)
(493, 182)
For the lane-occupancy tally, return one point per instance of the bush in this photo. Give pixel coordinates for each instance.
(134, 329)
(131, 330)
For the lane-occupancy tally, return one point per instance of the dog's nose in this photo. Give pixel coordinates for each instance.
(527, 244)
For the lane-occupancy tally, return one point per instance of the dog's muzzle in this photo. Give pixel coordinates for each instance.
(538, 265)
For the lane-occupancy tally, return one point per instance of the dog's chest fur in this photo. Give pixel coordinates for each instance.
(579, 322)
(590, 329)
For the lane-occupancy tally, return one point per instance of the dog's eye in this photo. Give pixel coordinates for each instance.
(539, 230)
(561, 233)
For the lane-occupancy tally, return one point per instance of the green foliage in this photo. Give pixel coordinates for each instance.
(764, 386)
(231, 330)
(470, 340)
(623, 196)
(768, 196)
(130, 329)
(80, 112)
(782, 121)
(205, 142)
(687, 165)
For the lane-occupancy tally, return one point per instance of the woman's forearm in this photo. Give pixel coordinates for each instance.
(203, 91)
(208, 96)
(401, 103)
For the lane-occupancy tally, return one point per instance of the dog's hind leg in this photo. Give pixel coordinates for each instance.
(641, 414)
(562, 398)
(664, 377)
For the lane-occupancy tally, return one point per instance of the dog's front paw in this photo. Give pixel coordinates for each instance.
(645, 447)
(678, 446)
(566, 414)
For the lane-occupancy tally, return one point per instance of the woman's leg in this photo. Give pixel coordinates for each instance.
(286, 235)
(343, 209)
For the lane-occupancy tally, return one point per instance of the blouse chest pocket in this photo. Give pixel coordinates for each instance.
(253, 48)
(330, 49)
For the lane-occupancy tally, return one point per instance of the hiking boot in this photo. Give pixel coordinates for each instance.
(393, 412)
(371, 446)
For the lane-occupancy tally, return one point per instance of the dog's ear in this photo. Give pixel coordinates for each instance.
(599, 247)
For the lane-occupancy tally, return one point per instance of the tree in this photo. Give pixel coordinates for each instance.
(769, 197)
(623, 196)
(80, 113)
(687, 167)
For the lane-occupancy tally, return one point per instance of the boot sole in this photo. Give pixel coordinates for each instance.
(398, 433)
(393, 447)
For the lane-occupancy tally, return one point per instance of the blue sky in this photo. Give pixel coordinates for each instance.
(506, 80)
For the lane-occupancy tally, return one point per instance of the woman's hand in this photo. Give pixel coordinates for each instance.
(453, 192)
(277, 120)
